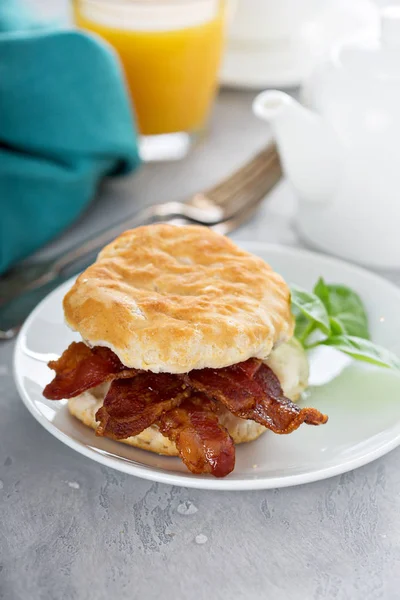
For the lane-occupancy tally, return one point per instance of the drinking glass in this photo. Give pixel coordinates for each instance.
(170, 51)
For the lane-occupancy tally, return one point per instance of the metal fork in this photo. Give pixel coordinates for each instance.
(223, 207)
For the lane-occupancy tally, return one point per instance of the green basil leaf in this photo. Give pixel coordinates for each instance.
(364, 350)
(336, 327)
(345, 307)
(311, 307)
(322, 291)
(302, 324)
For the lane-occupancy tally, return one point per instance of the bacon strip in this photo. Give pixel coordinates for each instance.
(258, 397)
(80, 368)
(234, 386)
(203, 444)
(281, 414)
(181, 405)
(132, 405)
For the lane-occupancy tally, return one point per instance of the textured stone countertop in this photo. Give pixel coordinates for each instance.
(71, 529)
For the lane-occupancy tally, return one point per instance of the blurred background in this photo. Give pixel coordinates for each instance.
(112, 106)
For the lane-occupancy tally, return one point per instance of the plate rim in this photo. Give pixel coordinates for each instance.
(203, 482)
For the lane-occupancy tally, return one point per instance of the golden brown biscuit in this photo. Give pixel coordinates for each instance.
(173, 299)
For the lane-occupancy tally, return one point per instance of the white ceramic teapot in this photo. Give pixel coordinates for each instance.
(342, 152)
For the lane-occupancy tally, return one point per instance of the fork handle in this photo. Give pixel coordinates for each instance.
(63, 266)
(62, 262)
(200, 210)
(79, 256)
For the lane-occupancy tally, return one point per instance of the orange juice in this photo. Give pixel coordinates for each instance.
(170, 51)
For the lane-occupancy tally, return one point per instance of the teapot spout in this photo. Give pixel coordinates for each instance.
(308, 148)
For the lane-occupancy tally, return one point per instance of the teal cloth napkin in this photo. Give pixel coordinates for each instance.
(65, 122)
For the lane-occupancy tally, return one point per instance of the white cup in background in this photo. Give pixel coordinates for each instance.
(276, 43)
(262, 20)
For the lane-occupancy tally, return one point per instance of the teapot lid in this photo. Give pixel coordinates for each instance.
(376, 58)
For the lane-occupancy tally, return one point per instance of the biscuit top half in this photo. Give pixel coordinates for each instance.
(171, 299)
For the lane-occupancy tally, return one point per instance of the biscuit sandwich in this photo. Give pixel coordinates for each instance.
(186, 347)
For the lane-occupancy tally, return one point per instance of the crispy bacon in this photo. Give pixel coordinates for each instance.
(203, 444)
(248, 367)
(281, 414)
(80, 368)
(258, 397)
(181, 405)
(132, 405)
(234, 386)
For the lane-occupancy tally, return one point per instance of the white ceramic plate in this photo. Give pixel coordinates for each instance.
(363, 402)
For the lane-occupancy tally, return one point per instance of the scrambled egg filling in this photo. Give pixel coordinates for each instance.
(290, 364)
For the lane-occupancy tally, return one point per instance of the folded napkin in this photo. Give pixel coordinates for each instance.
(65, 122)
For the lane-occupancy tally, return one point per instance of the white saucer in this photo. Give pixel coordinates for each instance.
(271, 64)
(363, 403)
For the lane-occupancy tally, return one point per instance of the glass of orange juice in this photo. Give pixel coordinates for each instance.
(170, 51)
